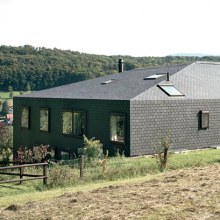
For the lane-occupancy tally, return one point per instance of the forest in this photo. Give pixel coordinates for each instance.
(27, 68)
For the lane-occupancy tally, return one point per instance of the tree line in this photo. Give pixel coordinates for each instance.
(28, 68)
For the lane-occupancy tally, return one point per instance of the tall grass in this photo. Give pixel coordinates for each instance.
(115, 169)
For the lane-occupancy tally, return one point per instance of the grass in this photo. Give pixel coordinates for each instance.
(5, 95)
(118, 170)
(28, 193)
(177, 194)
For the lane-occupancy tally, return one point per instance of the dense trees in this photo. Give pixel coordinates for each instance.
(28, 68)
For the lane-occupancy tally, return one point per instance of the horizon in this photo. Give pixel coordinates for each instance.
(136, 28)
(176, 54)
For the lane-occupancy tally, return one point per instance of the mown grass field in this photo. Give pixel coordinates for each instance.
(189, 193)
(129, 188)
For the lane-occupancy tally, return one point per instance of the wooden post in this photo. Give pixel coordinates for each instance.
(81, 166)
(21, 173)
(45, 174)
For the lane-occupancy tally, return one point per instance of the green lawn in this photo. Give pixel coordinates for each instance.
(5, 95)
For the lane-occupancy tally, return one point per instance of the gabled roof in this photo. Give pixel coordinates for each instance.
(121, 86)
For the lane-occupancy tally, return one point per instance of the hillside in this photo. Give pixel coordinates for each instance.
(191, 193)
(28, 68)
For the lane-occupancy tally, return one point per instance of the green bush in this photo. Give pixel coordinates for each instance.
(6, 144)
(92, 148)
(62, 175)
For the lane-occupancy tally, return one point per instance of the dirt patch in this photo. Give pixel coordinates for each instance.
(185, 194)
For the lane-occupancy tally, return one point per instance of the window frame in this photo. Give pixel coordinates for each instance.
(72, 127)
(48, 120)
(202, 114)
(161, 86)
(124, 130)
(28, 117)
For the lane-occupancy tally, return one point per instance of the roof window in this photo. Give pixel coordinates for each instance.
(108, 81)
(170, 90)
(155, 76)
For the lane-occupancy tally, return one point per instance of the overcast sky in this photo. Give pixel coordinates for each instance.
(113, 27)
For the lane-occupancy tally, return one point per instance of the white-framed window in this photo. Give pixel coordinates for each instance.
(170, 90)
(117, 128)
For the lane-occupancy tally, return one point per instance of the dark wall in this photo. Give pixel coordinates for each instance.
(98, 123)
(153, 120)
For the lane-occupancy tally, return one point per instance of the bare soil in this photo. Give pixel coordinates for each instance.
(181, 194)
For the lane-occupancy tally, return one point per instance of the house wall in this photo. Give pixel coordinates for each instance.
(98, 122)
(152, 120)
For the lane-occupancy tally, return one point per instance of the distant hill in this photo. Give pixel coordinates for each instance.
(191, 54)
(29, 68)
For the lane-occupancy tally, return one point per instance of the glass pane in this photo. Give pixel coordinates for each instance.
(65, 155)
(44, 120)
(25, 117)
(117, 128)
(205, 120)
(170, 90)
(67, 122)
(79, 123)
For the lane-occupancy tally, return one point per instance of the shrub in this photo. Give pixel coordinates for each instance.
(62, 175)
(35, 155)
(162, 152)
(92, 148)
(6, 143)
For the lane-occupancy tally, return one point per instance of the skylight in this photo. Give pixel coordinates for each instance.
(155, 76)
(107, 82)
(170, 90)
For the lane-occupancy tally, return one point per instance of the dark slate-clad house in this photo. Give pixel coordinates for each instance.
(130, 111)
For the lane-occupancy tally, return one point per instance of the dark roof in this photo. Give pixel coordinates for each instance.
(124, 86)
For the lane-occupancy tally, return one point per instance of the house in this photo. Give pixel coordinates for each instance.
(130, 111)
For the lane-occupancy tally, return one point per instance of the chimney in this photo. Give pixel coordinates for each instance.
(120, 65)
(168, 77)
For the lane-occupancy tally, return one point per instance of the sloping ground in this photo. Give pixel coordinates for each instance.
(181, 194)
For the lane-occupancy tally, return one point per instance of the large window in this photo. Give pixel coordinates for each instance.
(117, 128)
(25, 123)
(44, 120)
(74, 123)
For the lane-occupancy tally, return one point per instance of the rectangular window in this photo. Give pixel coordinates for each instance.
(170, 90)
(67, 123)
(25, 117)
(74, 123)
(78, 123)
(204, 119)
(117, 128)
(44, 120)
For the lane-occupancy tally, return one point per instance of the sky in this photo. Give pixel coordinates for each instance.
(113, 27)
